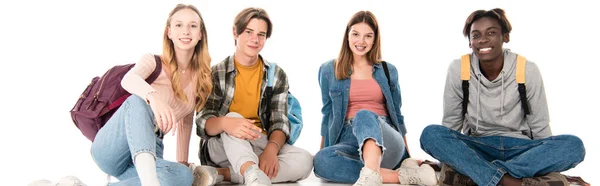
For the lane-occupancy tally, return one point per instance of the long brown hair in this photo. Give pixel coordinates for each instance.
(200, 61)
(344, 61)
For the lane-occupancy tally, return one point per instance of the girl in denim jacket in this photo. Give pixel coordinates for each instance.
(362, 129)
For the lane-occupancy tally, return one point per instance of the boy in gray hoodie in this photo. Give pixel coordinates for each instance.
(496, 141)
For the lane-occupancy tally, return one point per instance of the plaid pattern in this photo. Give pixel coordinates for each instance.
(219, 101)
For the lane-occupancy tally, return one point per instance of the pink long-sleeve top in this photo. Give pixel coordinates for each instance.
(134, 82)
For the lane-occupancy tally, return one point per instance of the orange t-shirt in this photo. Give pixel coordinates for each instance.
(246, 97)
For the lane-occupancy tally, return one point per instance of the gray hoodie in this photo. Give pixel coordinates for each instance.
(494, 108)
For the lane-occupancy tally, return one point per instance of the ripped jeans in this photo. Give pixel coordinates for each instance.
(343, 161)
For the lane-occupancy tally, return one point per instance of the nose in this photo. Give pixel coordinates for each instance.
(254, 38)
(483, 39)
(186, 31)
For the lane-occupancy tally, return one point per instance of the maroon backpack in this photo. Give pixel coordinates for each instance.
(102, 98)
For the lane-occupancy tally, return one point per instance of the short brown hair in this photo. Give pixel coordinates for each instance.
(243, 18)
(496, 13)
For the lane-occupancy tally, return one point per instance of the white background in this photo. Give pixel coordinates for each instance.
(50, 50)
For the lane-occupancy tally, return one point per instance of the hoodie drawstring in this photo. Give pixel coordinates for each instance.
(478, 103)
(502, 98)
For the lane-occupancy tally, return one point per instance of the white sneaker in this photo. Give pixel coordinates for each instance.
(205, 175)
(41, 183)
(64, 181)
(70, 181)
(368, 177)
(256, 177)
(410, 163)
(423, 175)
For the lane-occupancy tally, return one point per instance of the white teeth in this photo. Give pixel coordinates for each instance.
(485, 49)
(185, 39)
(360, 48)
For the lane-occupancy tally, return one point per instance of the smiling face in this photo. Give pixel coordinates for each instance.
(185, 30)
(252, 40)
(486, 39)
(360, 39)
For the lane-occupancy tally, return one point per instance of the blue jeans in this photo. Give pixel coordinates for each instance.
(128, 132)
(487, 159)
(343, 161)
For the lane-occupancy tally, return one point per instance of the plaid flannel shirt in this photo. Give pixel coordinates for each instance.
(219, 101)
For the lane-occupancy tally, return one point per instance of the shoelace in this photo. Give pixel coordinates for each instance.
(414, 180)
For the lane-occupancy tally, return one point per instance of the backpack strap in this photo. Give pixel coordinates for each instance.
(271, 74)
(465, 76)
(156, 71)
(266, 116)
(521, 61)
(387, 72)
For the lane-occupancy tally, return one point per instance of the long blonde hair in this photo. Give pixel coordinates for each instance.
(200, 61)
(343, 63)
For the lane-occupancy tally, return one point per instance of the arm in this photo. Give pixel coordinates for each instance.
(134, 81)
(397, 98)
(453, 97)
(207, 124)
(280, 125)
(322, 142)
(279, 120)
(324, 76)
(539, 119)
(183, 138)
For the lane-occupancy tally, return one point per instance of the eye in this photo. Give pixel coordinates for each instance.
(475, 36)
(178, 25)
(491, 33)
(194, 26)
(262, 35)
(355, 34)
(248, 32)
(369, 36)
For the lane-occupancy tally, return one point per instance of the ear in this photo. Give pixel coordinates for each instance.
(233, 33)
(470, 44)
(169, 33)
(505, 38)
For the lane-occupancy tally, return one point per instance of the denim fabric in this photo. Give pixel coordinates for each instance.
(335, 93)
(487, 159)
(128, 132)
(343, 161)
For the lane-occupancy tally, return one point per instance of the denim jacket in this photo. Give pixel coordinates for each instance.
(335, 93)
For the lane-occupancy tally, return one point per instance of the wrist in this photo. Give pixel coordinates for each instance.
(150, 96)
(276, 146)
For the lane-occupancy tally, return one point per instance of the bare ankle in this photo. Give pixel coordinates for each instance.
(225, 172)
(245, 166)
